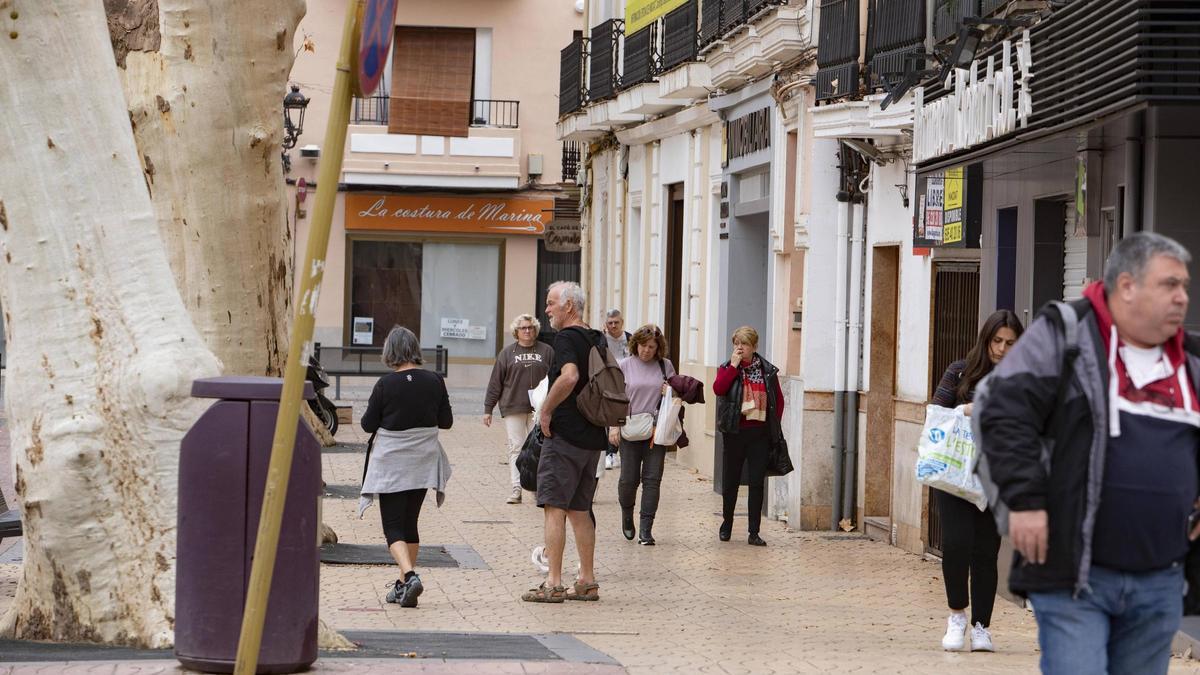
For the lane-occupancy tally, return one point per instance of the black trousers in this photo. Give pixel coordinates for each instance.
(400, 511)
(970, 546)
(748, 447)
(641, 462)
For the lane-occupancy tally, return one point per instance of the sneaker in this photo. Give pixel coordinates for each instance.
(539, 560)
(412, 590)
(616, 464)
(981, 639)
(956, 632)
(395, 592)
(515, 497)
(609, 461)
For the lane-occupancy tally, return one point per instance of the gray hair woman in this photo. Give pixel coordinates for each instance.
(519, 367)
(404, 458)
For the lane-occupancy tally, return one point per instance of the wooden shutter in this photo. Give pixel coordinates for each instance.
(432, 79)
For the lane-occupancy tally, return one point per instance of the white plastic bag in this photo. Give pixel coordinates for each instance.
(537, 395)
(947, 455)
(669, 427)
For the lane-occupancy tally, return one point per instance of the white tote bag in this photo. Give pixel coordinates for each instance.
(538, 394)
(670, 427)
(947, 455)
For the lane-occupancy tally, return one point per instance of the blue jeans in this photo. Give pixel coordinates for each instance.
(1124, 624)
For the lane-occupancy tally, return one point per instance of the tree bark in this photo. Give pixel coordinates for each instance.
(103, 351)
(205, 81)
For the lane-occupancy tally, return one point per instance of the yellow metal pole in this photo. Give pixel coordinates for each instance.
(311, 274)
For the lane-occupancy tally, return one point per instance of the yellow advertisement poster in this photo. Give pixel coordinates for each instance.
(954, 189)
(642, 13)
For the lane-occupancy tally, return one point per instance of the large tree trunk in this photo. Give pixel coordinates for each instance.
(103, 351)
(204, 81)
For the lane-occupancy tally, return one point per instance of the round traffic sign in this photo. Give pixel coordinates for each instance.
(376, 29)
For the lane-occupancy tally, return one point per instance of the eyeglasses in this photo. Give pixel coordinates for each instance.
(525, 327)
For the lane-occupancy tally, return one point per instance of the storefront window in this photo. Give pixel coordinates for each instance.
(444, 292)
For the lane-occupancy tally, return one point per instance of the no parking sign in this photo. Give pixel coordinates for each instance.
(377, 25)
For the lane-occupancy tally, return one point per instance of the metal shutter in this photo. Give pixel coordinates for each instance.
(1075, 256)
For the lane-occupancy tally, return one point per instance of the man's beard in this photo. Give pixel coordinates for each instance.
(554, 323)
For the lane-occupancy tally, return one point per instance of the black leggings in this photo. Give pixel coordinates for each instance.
(400, 511)
(749, 447)
(970, 546)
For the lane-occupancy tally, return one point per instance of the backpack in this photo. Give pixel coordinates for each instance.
(603, 400)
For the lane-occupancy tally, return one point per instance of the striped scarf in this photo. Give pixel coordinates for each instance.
(754, 391)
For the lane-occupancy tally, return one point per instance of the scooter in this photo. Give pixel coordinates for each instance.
(324, 409)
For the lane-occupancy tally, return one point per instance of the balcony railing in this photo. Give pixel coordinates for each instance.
(605, 47)
(895, 30)
(837, 51)
(572, 93)
(371, 110)
(484, 112)
(493, 113)
(948, 15)
(571, 155)
(681, 36)
(719, 18)
(641, 57)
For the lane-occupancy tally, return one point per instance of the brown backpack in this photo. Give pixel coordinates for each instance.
(603, 400)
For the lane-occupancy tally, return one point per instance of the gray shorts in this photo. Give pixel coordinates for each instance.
(566, 477)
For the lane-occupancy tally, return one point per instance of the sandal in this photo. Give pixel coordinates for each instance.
(585, 591)
(544, 593)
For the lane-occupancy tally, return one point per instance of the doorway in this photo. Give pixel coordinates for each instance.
(881, 401)
(955, 325)
(673, 289)
(1049, 252)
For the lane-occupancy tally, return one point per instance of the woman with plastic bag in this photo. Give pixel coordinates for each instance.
(646, 371)
(970, 541)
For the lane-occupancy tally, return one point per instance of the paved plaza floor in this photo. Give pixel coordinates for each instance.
(810, 602)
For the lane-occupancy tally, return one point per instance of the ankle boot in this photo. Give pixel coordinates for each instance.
(726, 530)
(646, 538)
(627, 524)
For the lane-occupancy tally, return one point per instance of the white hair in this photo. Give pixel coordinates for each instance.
(569, 291)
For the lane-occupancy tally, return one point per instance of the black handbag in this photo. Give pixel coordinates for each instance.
(528, 458)
(779, 461)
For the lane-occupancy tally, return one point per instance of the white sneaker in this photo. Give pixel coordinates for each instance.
(956, 632)
(609, 461)
(981, 639)
(515, 497)
(616, 457)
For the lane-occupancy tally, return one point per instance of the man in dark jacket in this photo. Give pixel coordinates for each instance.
(1092, 447)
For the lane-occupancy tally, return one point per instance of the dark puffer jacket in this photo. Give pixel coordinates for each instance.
(729, 405)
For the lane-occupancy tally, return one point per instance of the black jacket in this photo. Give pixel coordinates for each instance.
(729, 406)
(1044, 448)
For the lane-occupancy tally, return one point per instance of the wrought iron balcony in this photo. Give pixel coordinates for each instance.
(948, 16)
(370, 110)
(718, 18)
(641, 56)
(895, 30)
(837, 50)
(572, 91)
(681, 35)
(603, 78)
(571, 155)
(484, 112)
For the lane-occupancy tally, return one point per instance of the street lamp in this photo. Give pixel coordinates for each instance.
(293, 123)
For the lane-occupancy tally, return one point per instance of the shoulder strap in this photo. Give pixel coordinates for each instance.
(1069, 314)
(662, 365)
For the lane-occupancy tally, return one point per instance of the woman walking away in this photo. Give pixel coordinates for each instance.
(970, 541)
(646, 371)
(404, 457)
(519, 367)
(748, 387)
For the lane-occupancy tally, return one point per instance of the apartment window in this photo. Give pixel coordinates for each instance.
(432, 81)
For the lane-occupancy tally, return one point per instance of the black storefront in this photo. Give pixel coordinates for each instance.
(1105, 145)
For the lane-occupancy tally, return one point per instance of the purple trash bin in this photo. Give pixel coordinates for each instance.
(222, 474)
